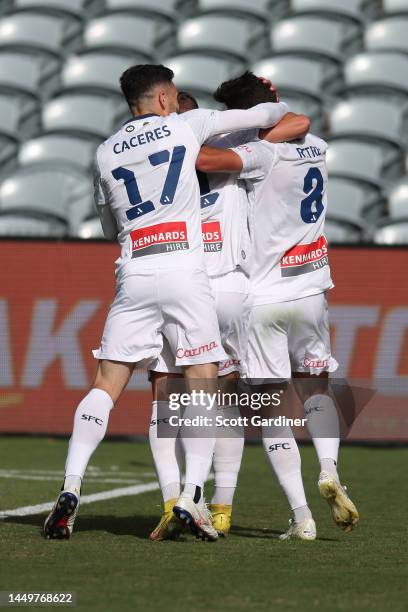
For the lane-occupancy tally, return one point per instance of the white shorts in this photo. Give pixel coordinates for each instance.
(152, 306)
(230, 292)
(288, 337)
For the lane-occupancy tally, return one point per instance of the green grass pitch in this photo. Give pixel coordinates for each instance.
(111, 565)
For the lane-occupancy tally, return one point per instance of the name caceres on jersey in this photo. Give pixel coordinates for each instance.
(287, 185)
(145, 172)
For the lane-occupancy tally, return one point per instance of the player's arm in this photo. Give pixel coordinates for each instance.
(213, 159)
(207, 123)
(108, 221)
(291, 127)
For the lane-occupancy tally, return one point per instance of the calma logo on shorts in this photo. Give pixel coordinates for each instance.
(195, 352)
(211, 233)
(304, 258)
(161, 238)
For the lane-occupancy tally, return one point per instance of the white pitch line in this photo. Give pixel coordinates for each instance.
(89, 479)
(85, 499)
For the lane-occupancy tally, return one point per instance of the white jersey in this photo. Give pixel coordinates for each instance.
(145, 173)
(224, 215)
(288, 202)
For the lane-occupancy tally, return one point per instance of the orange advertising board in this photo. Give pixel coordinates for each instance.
(53, 302)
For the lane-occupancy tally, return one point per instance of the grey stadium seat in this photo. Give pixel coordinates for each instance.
(200, 73)
(355, 9)
(78, 8)
(94, 71)
(395, 6)
(8, 152)
(90, 229)
(395, 233)
(352, 203)
(375, 71)
(222, 34)
(303, 105)
(17, 226)
(39, 33)
(19, 118)
(56, 148)
(364, 161)
(51, 192)
(29, 75)
(87, 115)
(299, 74)
(387, 35)
(169, 9)
(327, 38)
(119, 32)
(398, 200)
(338, 232)
(262, 9)
(371, 118)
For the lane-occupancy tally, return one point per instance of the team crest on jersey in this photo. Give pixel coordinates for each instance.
(212, 237)
(304, 258)
(161, 238)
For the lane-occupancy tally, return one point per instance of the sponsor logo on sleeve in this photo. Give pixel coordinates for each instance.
(161, 238)
(212, 238)
(304, 258)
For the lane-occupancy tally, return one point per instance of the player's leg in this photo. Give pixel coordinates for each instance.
(312, 361)
(191, 328)
(90, 424)
(268, 364)
(231, 296)
(167, 453)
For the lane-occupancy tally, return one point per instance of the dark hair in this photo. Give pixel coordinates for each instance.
(244, 92)
(184, 95)
(137, 81)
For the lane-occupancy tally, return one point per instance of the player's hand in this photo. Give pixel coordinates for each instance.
(270, 85)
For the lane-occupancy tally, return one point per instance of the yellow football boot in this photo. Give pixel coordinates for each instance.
(169, 527)
(221, 518)
(344, 512)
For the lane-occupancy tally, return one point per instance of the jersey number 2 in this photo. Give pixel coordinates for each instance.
(139, 207)
(312, 207)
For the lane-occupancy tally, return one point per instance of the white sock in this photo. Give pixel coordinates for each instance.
(167, 454)
(283, 454)
(323, 426)
(90, 423)
(227, 458)
(198, 451)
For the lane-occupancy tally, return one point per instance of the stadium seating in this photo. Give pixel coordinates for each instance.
(299, 74)
(353, 203)
(368, 72)
(338, 232)
(39, 33)
(387, 35)
(396, 233)
(221, 34)
(364, 161)
(18, 119)
(307, 35)
(55, 148)
(398, 200)
(94, 72)
(355, 9)
(26, 75)
(90, 229)
(120, 33)
(369, 117)
(263, 9)
(78, 8)
(395, 6)
(47, 192)
(83, 115)
(170, 9)
(18, 226)
(201, 74)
